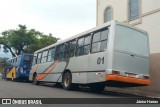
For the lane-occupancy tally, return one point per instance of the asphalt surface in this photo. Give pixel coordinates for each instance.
(9, 89)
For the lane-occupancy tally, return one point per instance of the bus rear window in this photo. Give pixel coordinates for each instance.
(131, 41)
(28, 58)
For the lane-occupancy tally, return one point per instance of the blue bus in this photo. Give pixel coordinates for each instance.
(18, 68)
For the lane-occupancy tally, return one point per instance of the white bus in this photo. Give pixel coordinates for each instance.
(114, 54)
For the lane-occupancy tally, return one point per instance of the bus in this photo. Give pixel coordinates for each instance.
(114, 54)
(18, 68)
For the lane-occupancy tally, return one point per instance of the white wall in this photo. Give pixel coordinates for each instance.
(151, 24)
(119, 10)
(149, 5)
(149, 21)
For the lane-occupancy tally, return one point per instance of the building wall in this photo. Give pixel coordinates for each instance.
(151, 24)
(149, 21)
(119, 10)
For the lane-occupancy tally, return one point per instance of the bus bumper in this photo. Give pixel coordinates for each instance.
(23, 76)
(124, 81)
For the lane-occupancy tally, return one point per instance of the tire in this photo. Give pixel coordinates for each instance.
(97, 88)
(67, 81)
(35, 81)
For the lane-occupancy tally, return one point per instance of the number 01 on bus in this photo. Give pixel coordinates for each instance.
(114, 54)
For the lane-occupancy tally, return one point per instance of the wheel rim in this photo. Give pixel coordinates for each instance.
(66, 81)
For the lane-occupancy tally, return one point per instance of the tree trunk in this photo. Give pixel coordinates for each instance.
(13, 54)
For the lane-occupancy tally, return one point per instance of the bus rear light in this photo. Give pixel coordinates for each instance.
(116, 72)
(146, 77)
(100, 74)
(131, 75)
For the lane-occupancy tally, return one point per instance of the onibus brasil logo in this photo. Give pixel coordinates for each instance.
(21, 101)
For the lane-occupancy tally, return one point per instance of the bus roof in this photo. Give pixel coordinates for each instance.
(86, 32)
(19, 55)
(74, 37)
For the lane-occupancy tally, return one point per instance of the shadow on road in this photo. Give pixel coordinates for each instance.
(87, 90)
(80, 90)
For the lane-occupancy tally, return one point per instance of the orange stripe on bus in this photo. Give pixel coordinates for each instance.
(35, 68)
(127, 79)
(41, 76)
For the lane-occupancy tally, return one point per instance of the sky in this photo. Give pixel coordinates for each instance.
(62, 18)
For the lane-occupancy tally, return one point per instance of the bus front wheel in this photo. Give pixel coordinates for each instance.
(67, 81)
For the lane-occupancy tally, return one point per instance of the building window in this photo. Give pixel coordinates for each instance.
(134, 9)
(108, 14)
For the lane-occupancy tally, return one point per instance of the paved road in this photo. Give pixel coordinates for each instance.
(9, 89)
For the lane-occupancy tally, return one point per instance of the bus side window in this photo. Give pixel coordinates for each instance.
(51, 54)
(99, 42)
(67, 49)
(80, 48)
(39, 58)
(34, 59)
(17, 61)
(72, 48)
(95, 42)
(44, 56)
(87, 42)
(59, 52)
(104, 37)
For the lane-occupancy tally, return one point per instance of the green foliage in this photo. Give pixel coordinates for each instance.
(21, 40)
(3, 61)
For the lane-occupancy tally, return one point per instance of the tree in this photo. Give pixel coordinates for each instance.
(5, 42)
(42, 42)
(22, 40)
(3, 61)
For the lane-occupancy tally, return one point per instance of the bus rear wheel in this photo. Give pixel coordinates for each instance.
(35, 81)
(67, 81)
